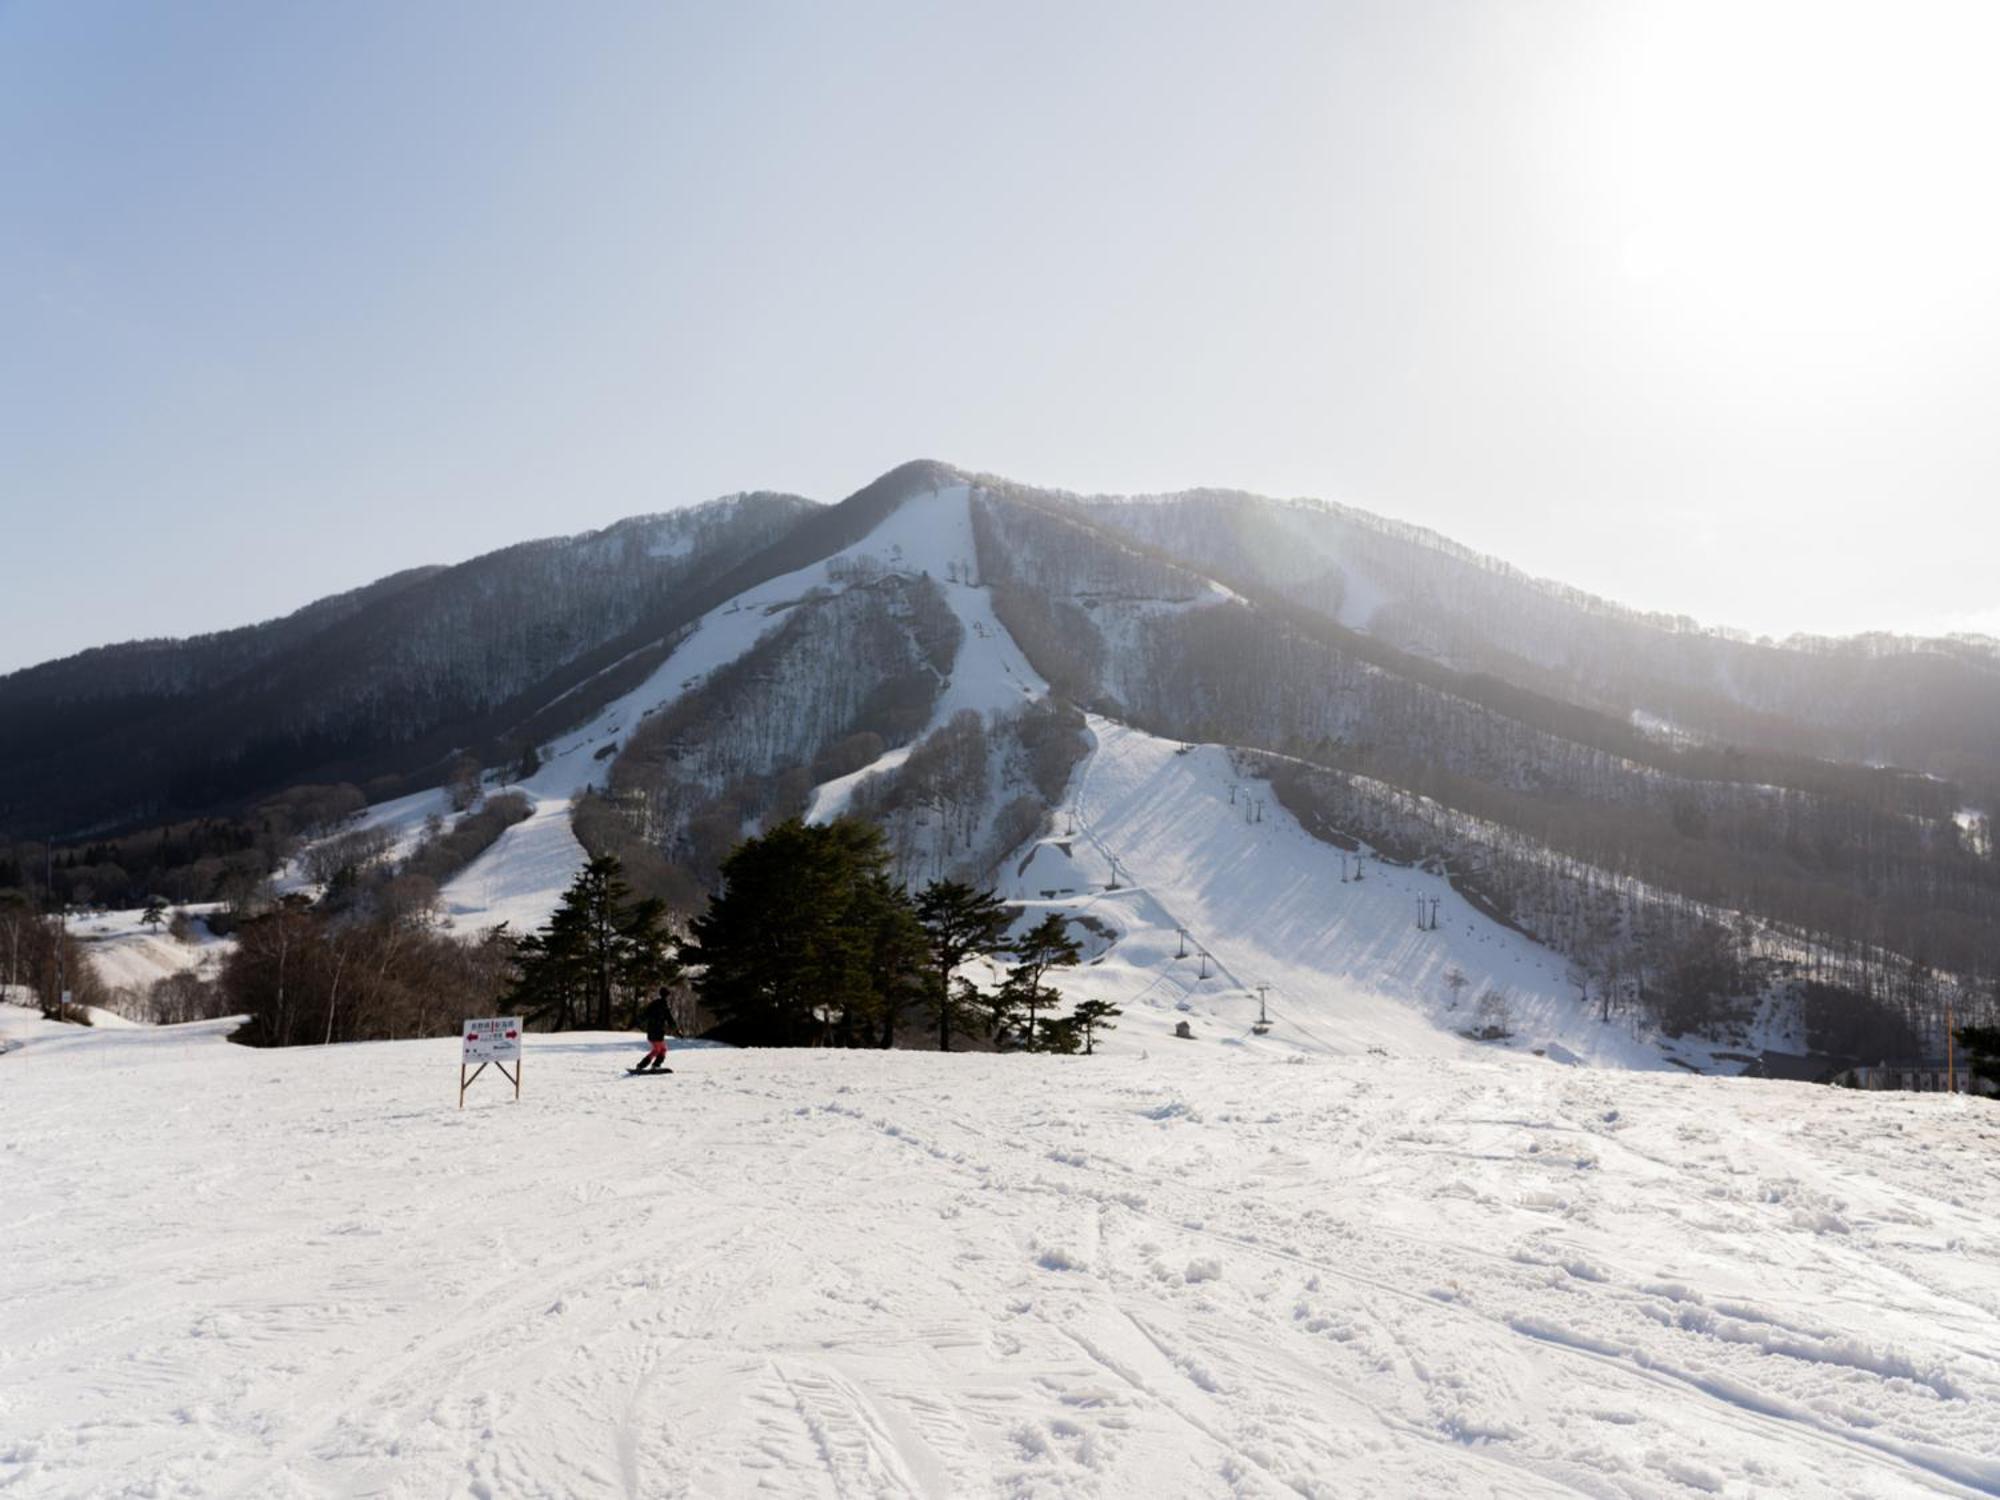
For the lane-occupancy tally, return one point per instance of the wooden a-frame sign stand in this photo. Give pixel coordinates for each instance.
(490, 1039)
(465, 1078)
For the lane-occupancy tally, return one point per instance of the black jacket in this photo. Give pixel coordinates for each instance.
(654, 1018)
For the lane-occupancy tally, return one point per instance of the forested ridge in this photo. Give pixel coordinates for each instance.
(380, 685)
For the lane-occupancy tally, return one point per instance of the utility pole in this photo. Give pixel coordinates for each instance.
(1950, 1052)
(62, 934)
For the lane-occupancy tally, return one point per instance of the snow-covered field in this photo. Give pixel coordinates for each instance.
(1191, 1271)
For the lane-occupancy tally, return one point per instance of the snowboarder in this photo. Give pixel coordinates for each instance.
(655, 1017)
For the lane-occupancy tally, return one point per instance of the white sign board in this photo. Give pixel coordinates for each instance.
(493, 1039)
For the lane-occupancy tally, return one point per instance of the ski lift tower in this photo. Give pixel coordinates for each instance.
(1262, 1025)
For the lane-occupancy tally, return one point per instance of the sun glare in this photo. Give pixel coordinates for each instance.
(1799, 173)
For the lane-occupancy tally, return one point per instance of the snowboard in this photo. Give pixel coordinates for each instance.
(630, 1071)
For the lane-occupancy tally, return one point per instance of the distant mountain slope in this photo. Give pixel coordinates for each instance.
(1930, 705)
(379, 681)
(162, 669)
(1146, 636)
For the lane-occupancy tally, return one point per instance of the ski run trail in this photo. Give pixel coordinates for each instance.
(1175, 1271)
(521, 878)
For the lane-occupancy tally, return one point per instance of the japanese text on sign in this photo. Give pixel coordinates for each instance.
(493, 1039)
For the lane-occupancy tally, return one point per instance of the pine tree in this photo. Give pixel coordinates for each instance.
(959, 923)
(649, 957)
(597, 945)
(1001, 1011)
(599, 895)
(1047, 945)
(1091, 1017)
(1060, 1034)
(156, 912)
(807, 940)
(895, 957)
(1982, 1052)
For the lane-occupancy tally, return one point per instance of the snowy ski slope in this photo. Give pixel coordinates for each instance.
(304, 1273)
(1347, 966)
(522, 876)
(131, 957)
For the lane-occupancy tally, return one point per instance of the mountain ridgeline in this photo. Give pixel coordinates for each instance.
(383, 682)
(1668, 806)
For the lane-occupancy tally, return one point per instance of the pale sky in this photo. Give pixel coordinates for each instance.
(1696, 306)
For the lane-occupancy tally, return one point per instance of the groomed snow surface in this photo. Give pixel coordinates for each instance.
(1204, 851)
(1195, 1272)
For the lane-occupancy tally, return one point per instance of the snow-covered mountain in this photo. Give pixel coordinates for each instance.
(1547, 838)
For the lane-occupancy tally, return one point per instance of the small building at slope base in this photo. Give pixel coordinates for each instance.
(1923, 1075)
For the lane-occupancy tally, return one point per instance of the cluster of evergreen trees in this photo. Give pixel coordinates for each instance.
(810, 942)
(1982, 1052)
(600, 955)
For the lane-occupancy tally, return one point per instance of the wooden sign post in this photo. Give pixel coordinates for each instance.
(491, 1039)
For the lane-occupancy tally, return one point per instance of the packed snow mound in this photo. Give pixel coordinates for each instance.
(862, 1273)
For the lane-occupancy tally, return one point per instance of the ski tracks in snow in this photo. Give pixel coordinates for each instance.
(899, 1275)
